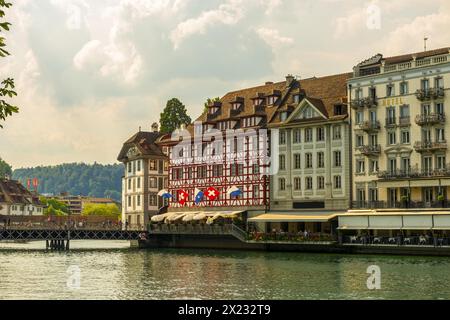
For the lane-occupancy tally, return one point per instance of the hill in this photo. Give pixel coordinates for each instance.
(94, 180)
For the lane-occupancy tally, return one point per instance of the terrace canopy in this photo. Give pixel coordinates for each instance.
(274, 217)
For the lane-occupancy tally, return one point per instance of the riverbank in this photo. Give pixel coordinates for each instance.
(230, 242)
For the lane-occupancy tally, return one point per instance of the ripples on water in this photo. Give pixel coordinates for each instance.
(110, 270)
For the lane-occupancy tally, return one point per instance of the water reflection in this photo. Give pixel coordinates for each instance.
(113, 271)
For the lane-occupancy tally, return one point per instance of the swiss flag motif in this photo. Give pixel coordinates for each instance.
(183, 197)
(212, 193)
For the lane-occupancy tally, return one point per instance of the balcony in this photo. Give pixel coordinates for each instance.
(368, 102)
(370, 126)
(430, 94)
(430, 119)
(400, 204)
(414, 174)
(429, 146)
(370, 150)
(404, 121)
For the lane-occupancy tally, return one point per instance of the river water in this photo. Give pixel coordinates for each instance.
(111, 270)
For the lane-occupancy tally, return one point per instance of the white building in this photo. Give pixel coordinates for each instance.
(16, 200)
(146, 173)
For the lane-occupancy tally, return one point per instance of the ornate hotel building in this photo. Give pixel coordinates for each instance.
(400, 131)
(146, 172)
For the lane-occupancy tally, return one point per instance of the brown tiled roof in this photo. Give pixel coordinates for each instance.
(13, 192)
(145, 142)
(418, 55)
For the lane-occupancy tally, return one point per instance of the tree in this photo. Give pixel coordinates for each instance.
(173, 116)
(104, 210)
(54, 207)
(6, 86)
(209, 101)
(5, 169)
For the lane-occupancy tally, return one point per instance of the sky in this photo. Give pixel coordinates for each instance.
(90, 73)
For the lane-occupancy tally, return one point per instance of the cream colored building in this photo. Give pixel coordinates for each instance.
(146, 173)
(400, 131)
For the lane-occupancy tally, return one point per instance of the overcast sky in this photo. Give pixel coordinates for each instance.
(89, 73)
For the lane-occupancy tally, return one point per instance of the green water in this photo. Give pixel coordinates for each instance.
(110, 270)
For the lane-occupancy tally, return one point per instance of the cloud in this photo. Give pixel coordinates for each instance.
(228, 13)
(273, 38)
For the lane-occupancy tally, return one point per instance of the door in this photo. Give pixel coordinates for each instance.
(427, 165)
(392, 198)
(428, 196)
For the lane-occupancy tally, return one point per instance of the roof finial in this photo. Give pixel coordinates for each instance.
(425, 39)
(140, 128)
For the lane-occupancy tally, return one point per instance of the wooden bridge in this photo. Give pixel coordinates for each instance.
(58, 239)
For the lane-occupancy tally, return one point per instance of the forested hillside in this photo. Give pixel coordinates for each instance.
(77, 179)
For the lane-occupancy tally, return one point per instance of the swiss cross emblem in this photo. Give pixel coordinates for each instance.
(183, 197)
(212, 193)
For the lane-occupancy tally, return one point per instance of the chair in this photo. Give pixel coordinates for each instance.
(353, 239)
(407, 241)
(392, 241)
(377, 240)
(422, 241)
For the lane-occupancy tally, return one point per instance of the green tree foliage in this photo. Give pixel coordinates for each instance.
(6, 86)
(5, 169)
(209, 101)
(105, 210)
(77, 179)
(54, 207)
(173, 116)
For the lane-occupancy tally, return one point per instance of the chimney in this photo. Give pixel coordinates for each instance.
(289, 79)
(269, 83)
(155, 127)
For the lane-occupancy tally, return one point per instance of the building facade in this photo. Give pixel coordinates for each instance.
(76, 204)
(313, 147)
(146, 173)
(400, 157)
(16, 200)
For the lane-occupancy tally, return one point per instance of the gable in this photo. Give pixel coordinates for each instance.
(306, 111)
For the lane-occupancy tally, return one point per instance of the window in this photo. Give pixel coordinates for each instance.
(138, 182)
(405, 137)
(440, 135)
(359, 117)
(217, 170)
(272, 100)
(297, 136)
(404, 88)
(320, 183)
(308, 160)
(139, 165)
(129, 184)
(337, 159)
(358, 94)
(439, 108)
(283, 116)
(320, 134)
(440, 162)
(256, 169)
(392, 165)
(390, 90)
(282, 137)
(359, 141)
(297, 184)
(425, 84)
(360, 166)
(320, 160)
(152, 165)
(439, 83)
(390, 119)
(282, 184)
(138, 200)
(255, 191)
(308, 135)
(337, 133)
(373, 166)
(373, 139)
(309, 183)
(129, 201)
(152, 200)
(338, 110)
(296, 98)
(337, 182)
(166, 165)
(129, 167)
(404, 114)
(297, 161)
(406, 165)
(392, 139)
(373, 93)
(282, 162)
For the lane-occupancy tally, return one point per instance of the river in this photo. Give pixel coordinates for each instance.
(111, 270)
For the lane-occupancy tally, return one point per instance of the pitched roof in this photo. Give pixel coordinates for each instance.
(13, 192)
(145, 142)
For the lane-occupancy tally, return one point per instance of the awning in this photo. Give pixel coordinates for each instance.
(160, 217)
(189, 217)
(272, 217)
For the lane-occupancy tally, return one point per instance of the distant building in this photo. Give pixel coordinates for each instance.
(76, 204)
(16, 200)
(146, 173)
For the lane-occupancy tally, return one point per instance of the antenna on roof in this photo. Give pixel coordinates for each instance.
(425, 39)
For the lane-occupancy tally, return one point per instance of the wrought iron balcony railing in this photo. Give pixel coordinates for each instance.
(405, 204)
(430, 93)
(367, 102)
(370, 150)
(430, 119)
(414, 174)
(370, 126)
(404, 121)
(429, 146)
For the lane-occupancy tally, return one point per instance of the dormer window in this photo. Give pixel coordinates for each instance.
(236, 105)
(213, 110)
(272, 100)
(258, 102)
(296, 98)
(283, 116)
(338, 110)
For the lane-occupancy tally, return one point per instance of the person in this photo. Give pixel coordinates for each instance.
(306, 234)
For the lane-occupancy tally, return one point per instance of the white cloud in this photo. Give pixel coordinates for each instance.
(273, 38)
(228, 13)
(271, 5)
